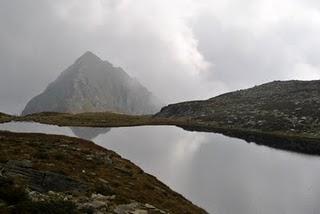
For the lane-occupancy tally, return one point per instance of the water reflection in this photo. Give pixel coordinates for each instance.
(88, 133)
(85, 133)
(223, 175)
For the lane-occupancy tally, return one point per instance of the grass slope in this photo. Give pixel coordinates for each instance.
(92, 165)
(5, 118)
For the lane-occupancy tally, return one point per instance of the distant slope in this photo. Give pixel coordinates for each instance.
(94, 85)
(289, 106)
(5, 118)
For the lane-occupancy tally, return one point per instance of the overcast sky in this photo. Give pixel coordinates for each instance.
(179, 49)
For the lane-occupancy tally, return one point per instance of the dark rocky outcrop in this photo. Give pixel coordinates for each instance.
(37, 180)
(94, 85)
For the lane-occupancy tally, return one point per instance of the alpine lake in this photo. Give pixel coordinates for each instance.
(221, 174)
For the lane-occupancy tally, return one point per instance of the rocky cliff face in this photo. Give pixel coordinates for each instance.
(94, 85)
(277, 106)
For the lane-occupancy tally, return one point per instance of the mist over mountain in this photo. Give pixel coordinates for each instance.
(94, 85)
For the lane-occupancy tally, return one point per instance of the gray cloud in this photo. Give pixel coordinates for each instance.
(181, 49)
(260, 43)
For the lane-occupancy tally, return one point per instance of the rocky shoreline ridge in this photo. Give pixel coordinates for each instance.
(42, 173)
(287, 106)
(280, 114)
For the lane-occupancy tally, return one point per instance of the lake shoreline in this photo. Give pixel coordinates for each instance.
(88, 175)
(290, 141)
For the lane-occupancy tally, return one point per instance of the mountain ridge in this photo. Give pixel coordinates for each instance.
(93, 85)
(275, 106)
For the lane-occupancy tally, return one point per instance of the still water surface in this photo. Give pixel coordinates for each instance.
(221, 174)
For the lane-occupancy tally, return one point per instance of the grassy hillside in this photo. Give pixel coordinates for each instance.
(70, 175)
(5, 118)
(290, 107)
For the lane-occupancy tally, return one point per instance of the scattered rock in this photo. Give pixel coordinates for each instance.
(126, 208)
(103, 181)
(95, 204)
(139, 211)
(149, 206)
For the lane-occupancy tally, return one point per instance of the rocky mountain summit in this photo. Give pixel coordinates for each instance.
(94, 85)
(281, 106)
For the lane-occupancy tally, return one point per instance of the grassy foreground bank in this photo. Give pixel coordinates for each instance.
(44, 173)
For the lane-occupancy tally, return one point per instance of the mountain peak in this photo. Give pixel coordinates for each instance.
(91, 84)
(88, 56)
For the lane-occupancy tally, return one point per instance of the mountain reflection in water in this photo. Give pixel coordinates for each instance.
(88, 133)
(221, 174)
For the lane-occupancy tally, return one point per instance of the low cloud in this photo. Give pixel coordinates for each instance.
(180, 50)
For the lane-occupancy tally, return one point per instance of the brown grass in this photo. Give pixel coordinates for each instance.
(70, 156)
(103, 119)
